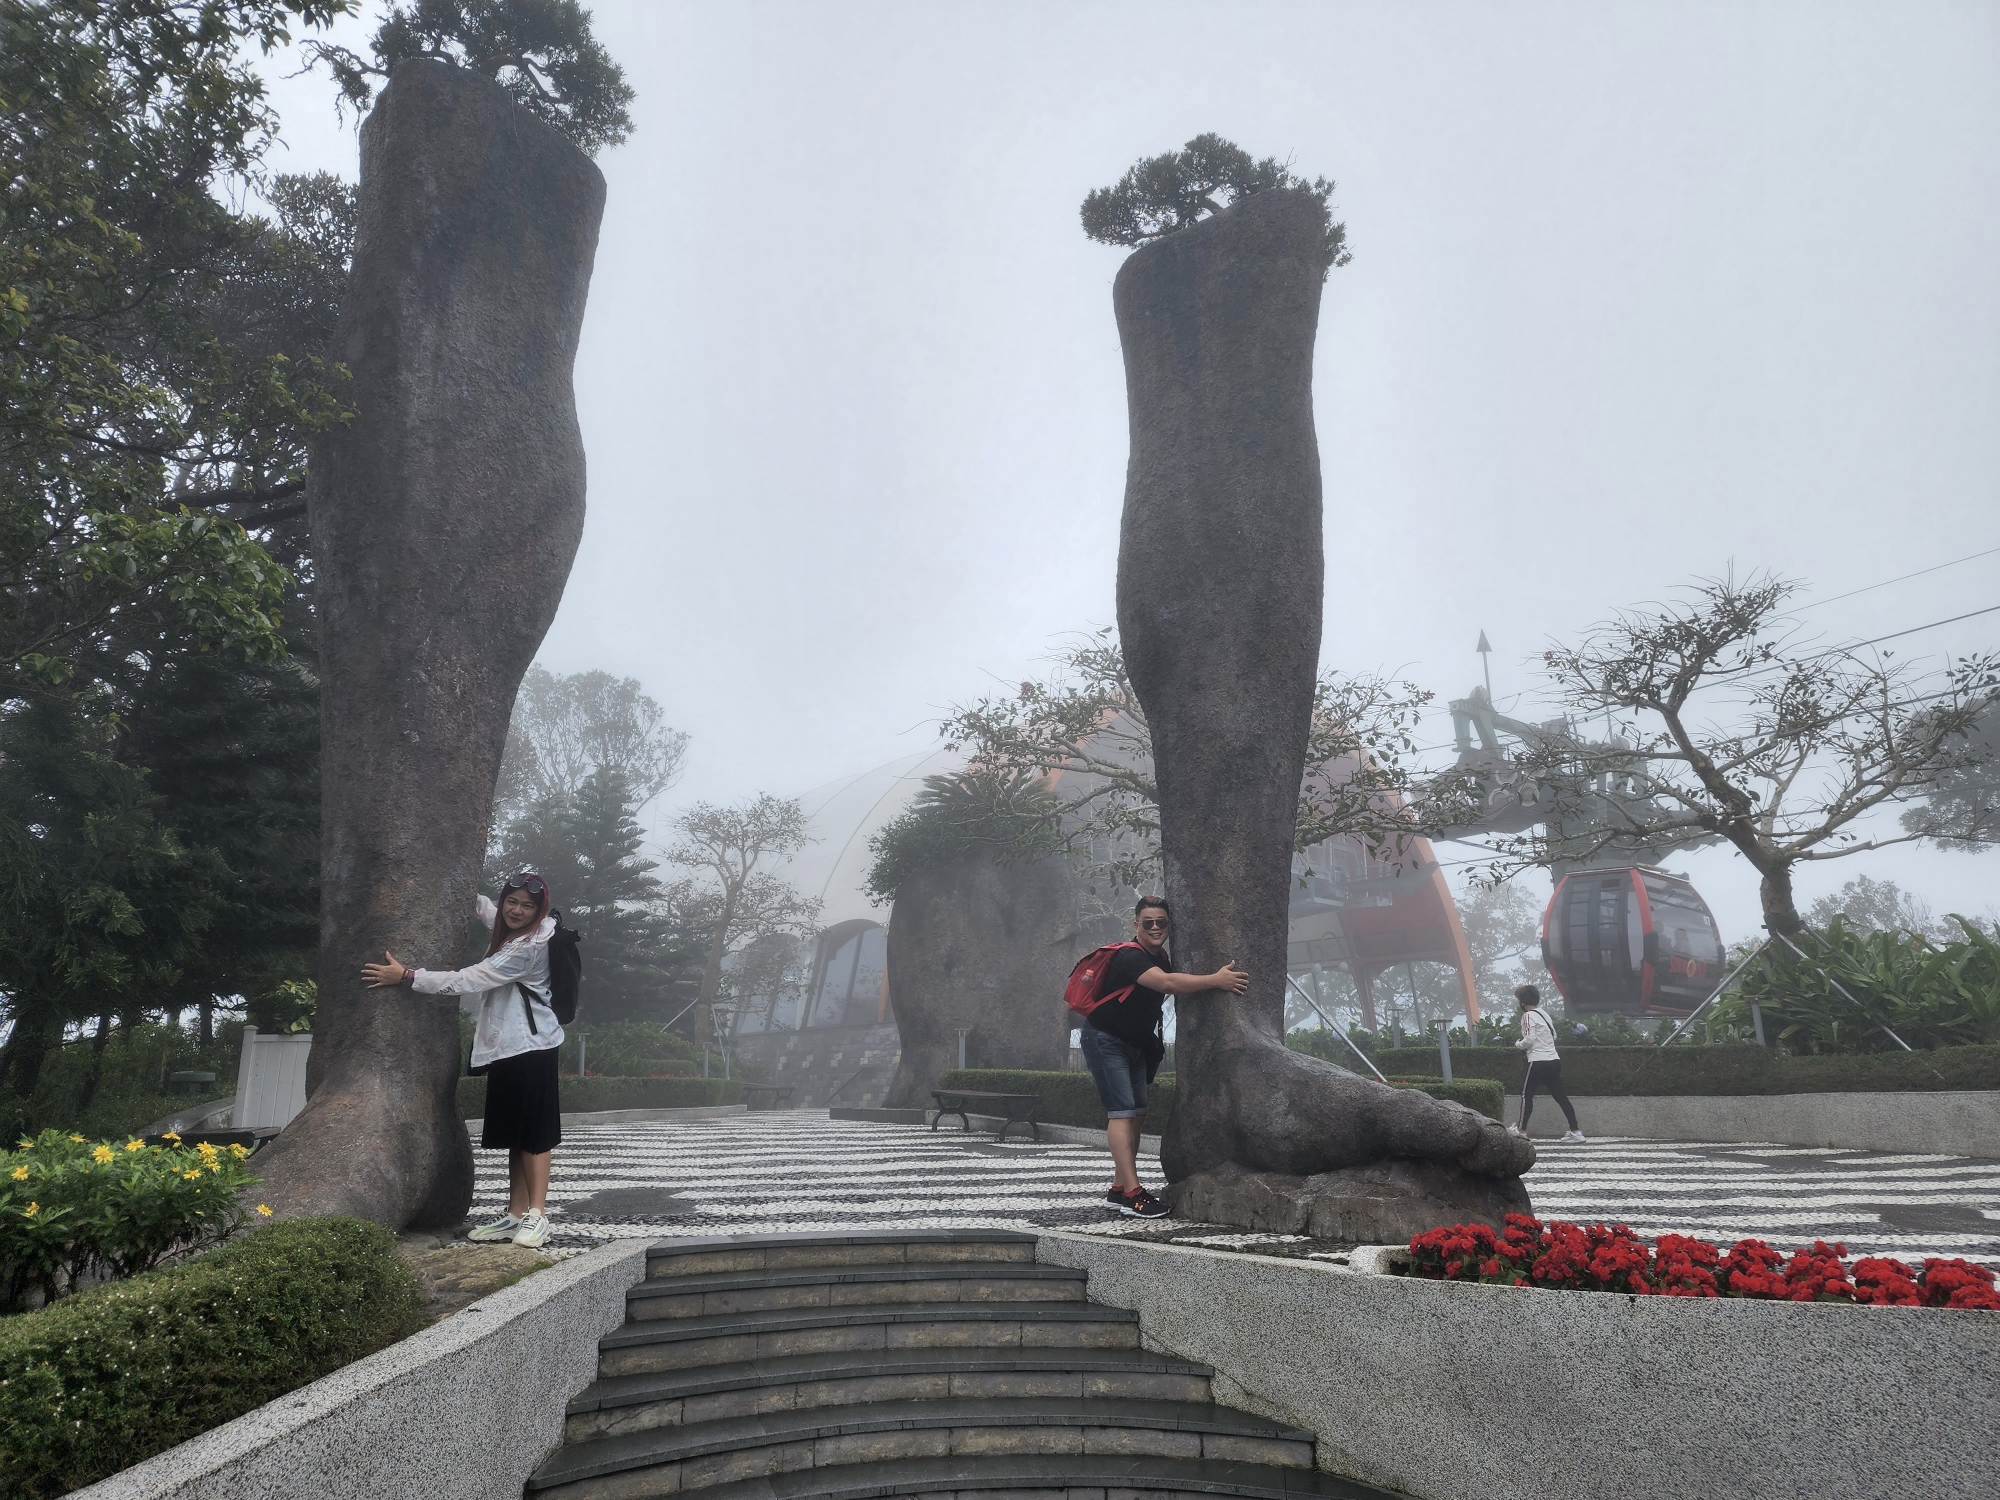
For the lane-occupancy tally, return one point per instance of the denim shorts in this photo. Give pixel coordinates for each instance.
(1119, 1070)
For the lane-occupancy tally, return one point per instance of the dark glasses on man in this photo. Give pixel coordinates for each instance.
(526, 881)
(1157, 924)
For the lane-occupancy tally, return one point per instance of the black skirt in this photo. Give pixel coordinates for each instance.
(523, 1106)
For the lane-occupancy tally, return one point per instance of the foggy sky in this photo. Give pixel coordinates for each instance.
(1639, 292)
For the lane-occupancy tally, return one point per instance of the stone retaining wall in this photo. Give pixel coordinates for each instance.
(1960, 1124)
(1455, 1392)
(462, 1411)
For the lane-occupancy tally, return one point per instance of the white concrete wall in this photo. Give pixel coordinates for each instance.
(465, 1410)
(270, 1079)
(1453, 1392)
(1961, 1123)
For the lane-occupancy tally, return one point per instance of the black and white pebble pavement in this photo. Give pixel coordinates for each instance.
(798, 1170)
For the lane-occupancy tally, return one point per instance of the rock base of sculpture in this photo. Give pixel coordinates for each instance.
(1383, 1203)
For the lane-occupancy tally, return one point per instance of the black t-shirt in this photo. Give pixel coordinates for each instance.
(1136, 1018)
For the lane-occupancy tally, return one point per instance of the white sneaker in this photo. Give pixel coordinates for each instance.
(501, 1228)
(533, 1231)
(1574, 1137)
(1517, 1130)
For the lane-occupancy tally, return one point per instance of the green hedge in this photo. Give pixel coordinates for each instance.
(111, 1376)
(585, 1095)
(1719, 1070)
(1071, 1098)
(1482, 1094)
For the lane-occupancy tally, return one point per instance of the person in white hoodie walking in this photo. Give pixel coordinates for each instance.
(1545, 1069)
(514, 1044)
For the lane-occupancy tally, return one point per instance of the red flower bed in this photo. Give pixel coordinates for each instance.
(1611, 1258)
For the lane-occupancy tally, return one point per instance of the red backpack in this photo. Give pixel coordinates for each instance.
(1080, 994)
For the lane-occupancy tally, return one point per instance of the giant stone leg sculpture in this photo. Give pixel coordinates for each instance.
(444, 519)
(985, 944)
(1219, 593)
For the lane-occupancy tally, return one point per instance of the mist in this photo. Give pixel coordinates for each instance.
(1639, 294)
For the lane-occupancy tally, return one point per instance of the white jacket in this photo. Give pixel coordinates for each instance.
(498, 982)
(1538, 1036)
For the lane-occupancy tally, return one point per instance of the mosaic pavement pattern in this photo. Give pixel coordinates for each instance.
(798, 1170)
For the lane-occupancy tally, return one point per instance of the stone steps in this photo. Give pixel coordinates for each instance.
(922, 1363)
(632, 1402)
(684, 1296)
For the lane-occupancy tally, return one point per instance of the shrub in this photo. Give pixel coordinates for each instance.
(1720, 1070)
(1482, 1094)
(584, 1095)
(630, 1049)
(1611, 1258)
(116, 1374)
(72, 1210)
(1931, 994)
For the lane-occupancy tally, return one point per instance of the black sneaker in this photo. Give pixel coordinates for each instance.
(1114, 1200)
(1141, 1205)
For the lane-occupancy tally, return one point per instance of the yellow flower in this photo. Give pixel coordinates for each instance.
(239, 1151)
(214, 1166)
(101, 1154)
(204, 1149)
(20, 1174)
(191, 1173)
(264, 1209)
(171, 1135)
(77, 1138)
(135, 1145)
(33, 1209)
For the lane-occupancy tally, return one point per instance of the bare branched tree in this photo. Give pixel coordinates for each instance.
(732, 848)
(1083, 734)
(567, 725)
(1748, 734)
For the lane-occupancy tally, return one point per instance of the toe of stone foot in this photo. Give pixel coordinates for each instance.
(1499, 1152)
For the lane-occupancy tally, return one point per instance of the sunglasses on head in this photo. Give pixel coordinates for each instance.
(527, 881)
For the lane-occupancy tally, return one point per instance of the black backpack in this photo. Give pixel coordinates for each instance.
(565, 970)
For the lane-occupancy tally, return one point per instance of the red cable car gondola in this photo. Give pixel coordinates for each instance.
(1633, 942)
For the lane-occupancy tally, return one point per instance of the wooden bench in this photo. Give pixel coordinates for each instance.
(775, 1095)
(1019, 1109)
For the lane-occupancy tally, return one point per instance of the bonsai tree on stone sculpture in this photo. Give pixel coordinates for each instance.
(444, 520)
(540, 51)
(1220, 574)
(986, 925)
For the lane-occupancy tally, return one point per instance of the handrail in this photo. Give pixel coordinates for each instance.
(856, 1074)
(1333, 1026)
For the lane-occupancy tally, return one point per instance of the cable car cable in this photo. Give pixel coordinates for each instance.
(1904, 578)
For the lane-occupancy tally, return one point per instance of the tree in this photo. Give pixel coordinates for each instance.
(163, 376)
(100, 905)
(133, 423)
(1011, 814)
(1746, 734)
(1868, 905)
(1084, 733)
(1503, 933)
(540, 51)
(1963, 808)
(1161, 195)
(586, 845)
(744, 901)
(567, 726)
